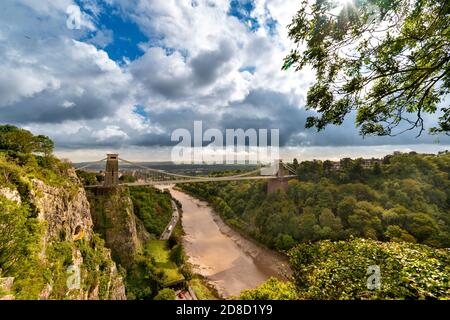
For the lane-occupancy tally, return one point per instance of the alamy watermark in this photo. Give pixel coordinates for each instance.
(73, 281)
(237, 146)
(73, 20)
(374, 279)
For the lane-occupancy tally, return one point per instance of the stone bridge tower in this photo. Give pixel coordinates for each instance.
(112, 170)
(280, 183)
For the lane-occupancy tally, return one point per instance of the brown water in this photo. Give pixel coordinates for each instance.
(228, 260)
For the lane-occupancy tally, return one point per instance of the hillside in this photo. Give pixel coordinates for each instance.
(406, 198)
(335, 224)
(46, 228)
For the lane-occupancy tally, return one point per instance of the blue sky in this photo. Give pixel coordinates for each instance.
(137, 70)
(125, 33)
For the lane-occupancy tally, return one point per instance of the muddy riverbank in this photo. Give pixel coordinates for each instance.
(228, 260)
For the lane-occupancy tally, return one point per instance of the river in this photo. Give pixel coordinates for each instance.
(229, 261)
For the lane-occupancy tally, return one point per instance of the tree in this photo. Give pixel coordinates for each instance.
(272, 289)
(307, 222)
(44, 144)
(295, 163)
(284, 242)
(388, 60)
(397, 234)
(346, 207)
(20, 140)
(177, 255)
(328, 220)
(165, 294)
(376, 170)
(339, 270)
(15, 139)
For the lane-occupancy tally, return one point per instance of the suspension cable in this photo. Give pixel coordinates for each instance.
(90, 164)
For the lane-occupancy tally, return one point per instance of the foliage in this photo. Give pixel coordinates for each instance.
(143, 280)
(203, 290)
(177, 255)
(339, 270)
(14, 139)
(20, 246)
(165, 294)
(386, 59)
(126, 178)
(408, 199)
(24, 157)
(272, 289)
(152, 270)
(153, 207)
(88, 178)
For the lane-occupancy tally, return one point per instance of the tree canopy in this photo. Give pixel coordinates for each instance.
(386, 60)
(404, 199)
(20, 140)
(342, 270)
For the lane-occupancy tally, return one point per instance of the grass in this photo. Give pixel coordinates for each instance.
(159, 250)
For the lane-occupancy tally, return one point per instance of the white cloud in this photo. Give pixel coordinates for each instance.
(110, 132)
(191, 69)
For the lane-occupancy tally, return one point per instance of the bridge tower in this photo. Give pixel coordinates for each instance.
(280, 183)
(112, 170)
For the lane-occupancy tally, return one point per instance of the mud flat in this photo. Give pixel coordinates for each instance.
(228, 260)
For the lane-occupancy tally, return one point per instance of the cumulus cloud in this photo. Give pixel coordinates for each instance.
(199, 62)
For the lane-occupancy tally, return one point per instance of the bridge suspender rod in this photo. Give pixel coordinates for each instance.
(90, 164)
(290, 168)
(184, 176)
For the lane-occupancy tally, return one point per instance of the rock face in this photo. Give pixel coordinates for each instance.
(5, 288)
(10, 194)
(67, 212)
(68, 220)
(114, 219)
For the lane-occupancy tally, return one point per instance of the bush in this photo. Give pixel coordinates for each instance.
(165, 294)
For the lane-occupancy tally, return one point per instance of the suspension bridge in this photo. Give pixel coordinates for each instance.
(277, 175)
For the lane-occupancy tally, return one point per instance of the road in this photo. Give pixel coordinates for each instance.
(173, 222)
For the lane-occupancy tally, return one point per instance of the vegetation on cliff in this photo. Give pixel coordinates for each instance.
(131, 220)
(36, 245)
(153, 207)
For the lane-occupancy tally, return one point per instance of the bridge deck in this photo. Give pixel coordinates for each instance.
(196, 180)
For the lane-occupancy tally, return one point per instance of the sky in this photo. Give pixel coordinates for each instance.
(134, 71)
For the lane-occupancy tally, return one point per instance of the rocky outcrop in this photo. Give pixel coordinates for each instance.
(66, 211)
(114, 219)
(10, 194)
(6, 288)
(67, 216)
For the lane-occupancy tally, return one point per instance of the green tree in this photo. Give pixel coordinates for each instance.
(17, 240)
(21, 140)
(395, 233)
(295, 163)
(44, 145)
(338, 270)
(329, 222)
(387, 59)
(346, 207)
(177, 255)
(272, 289)
(284, 242)
(165, 294)
(307, 224)
(376, 170)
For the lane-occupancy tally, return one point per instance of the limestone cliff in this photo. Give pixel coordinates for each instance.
(114, 219)
(65, 242)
